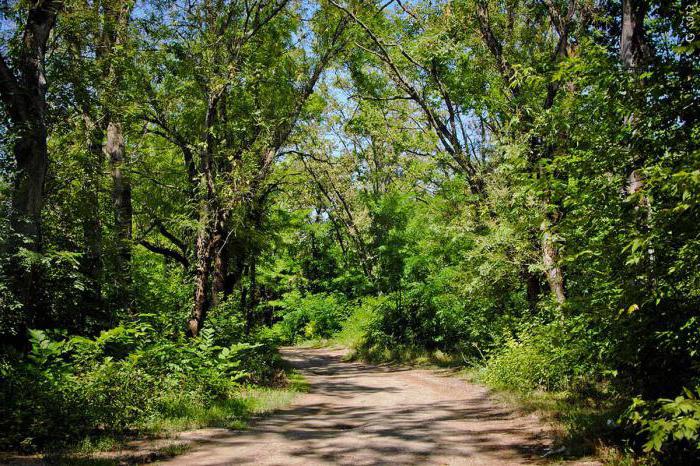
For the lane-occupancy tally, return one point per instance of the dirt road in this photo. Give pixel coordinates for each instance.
(360, 414)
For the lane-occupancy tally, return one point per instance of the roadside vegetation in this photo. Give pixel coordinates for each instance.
(508, 187)
(76, 393)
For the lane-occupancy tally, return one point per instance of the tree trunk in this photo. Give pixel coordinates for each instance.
(252, 296)
(23, 93)
(210, 220)
(220, 270)
(92, 226)
(562, 21)
(28, 196)
(550, 259)
(123, 213)
(635, 53)
(25, 221)
(116, 16)
(202, 300)
(634, 49)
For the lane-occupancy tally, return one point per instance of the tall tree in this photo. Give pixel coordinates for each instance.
(23, 87)
(116, 15)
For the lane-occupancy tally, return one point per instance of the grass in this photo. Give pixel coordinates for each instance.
(119, 457)
(183, 414)
(412, 356)
(232, 413)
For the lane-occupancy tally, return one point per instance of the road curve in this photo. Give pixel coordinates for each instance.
(360, 414)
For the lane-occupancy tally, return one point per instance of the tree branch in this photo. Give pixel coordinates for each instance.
(165, 252)
(11, 93)
(495, 47)
(172, 238)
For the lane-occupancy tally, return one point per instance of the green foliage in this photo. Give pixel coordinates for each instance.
(356, 327)
(434, 177)
(558, 356)
(671, 428)
(309, 316)
(127, 378)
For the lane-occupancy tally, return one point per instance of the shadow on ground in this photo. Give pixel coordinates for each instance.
(372, 415)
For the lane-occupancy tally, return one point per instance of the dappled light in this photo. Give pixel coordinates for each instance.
(370, 415)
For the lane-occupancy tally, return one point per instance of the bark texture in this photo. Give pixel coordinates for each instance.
(634, 49)
(550, 259)
(23, 92)
(123, 210)
(116, 19)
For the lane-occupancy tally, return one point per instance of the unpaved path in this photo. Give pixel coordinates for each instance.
(359, 414)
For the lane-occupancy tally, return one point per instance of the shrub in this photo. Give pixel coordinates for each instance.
(310, 316)
(69, 388)
(555, 356)
(355, 327)
(431, 316)
(671, 428)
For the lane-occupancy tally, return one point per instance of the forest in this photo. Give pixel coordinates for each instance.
(510, 187)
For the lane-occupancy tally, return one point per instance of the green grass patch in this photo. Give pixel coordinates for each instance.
(182, 413)
(175, 449)
(118, 456)
(232, 413)
(408, 355)
(185, 414)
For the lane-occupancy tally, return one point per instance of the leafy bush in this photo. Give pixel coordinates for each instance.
(310, 316)
(556, 356)
(354, 329)
(69, 388)
(433, 316)
(671, 427)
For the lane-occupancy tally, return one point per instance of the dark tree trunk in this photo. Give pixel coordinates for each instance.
(251, 302)
(634, 50)
(25, 221)
(635, 53)
(92, 225)
(28, 195)
(23, 94)
(220, 270)
(202, 295)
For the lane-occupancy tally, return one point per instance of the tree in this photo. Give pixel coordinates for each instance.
(23, 87)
